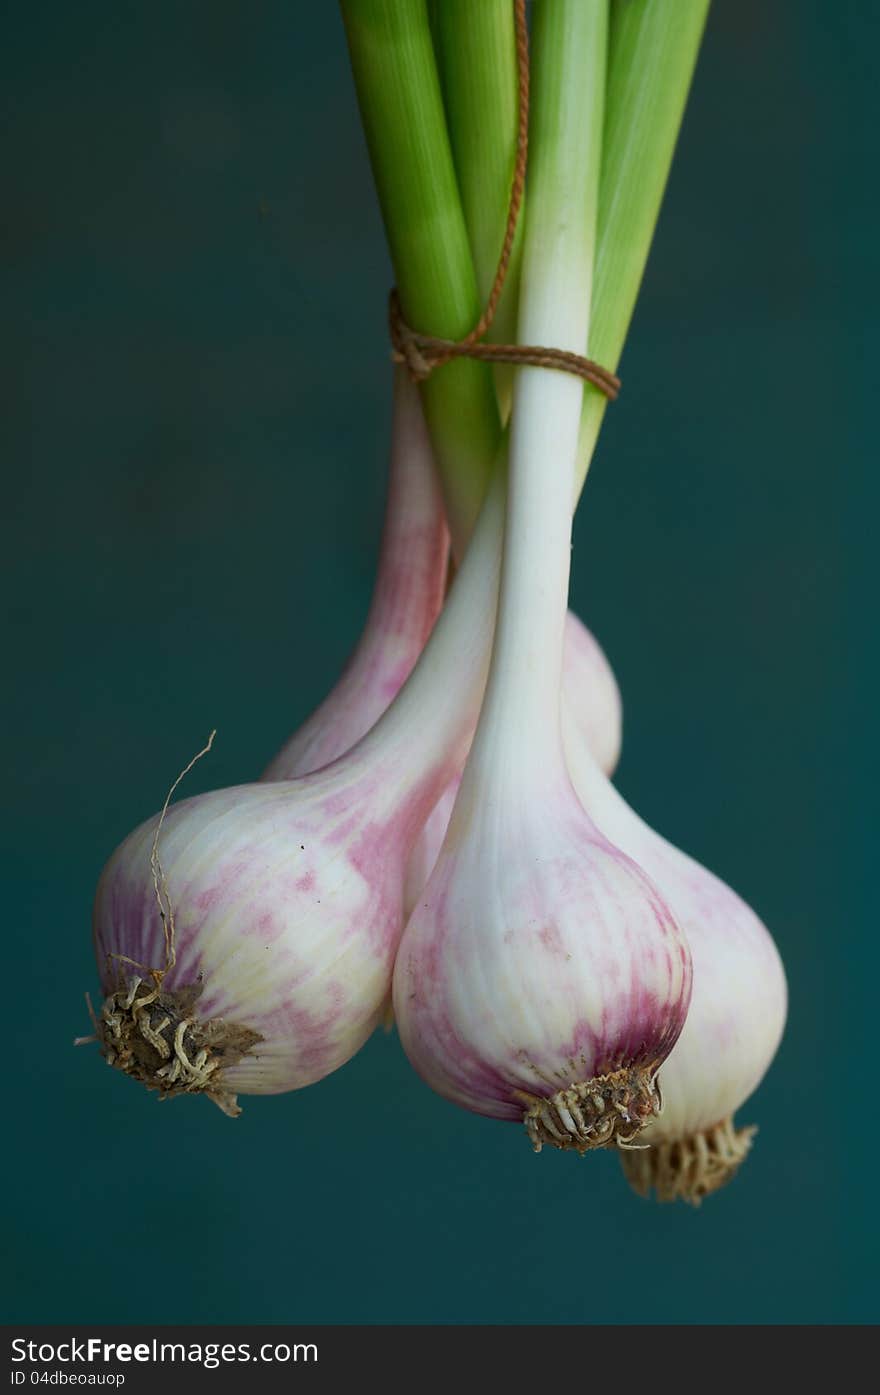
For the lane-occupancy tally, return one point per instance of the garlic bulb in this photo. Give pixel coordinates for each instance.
(736, 1015)
(287, 898)
(541, 976)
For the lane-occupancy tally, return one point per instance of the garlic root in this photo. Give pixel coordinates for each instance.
(153, 1036)
(689, 1169)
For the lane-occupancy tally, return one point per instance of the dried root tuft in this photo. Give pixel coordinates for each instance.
(154, 1036)
(609, 1110)
(689, 1168)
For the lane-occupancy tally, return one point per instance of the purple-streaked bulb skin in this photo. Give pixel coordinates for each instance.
(541, 977)
(287, 911)
(736, 1016)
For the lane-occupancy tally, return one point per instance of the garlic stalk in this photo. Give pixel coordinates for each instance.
(594, 709)
(408, 594)
(404, 120)
(652, 52)
(476, 62)
(541, 976)
(736, 1015)
(419, 172)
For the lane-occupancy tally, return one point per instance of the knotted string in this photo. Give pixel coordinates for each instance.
(422, 353)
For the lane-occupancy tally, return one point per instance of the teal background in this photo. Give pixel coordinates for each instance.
(196, 414)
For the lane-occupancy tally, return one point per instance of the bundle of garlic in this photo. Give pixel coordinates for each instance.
(443, 827)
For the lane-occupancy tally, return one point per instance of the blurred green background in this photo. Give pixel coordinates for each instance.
(196, 408)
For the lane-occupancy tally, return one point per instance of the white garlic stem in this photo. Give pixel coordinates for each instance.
(541, 977)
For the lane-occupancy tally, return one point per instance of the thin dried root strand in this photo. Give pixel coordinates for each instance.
(125, 1000)
(160, 881)
(124, 1014)
(603, 1112)
(690, 1168)
(153, 1036)
(94, 1034)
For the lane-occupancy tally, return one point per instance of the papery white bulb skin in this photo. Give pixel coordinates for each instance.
(736, 1016)
(286, 917)
(541, 977)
